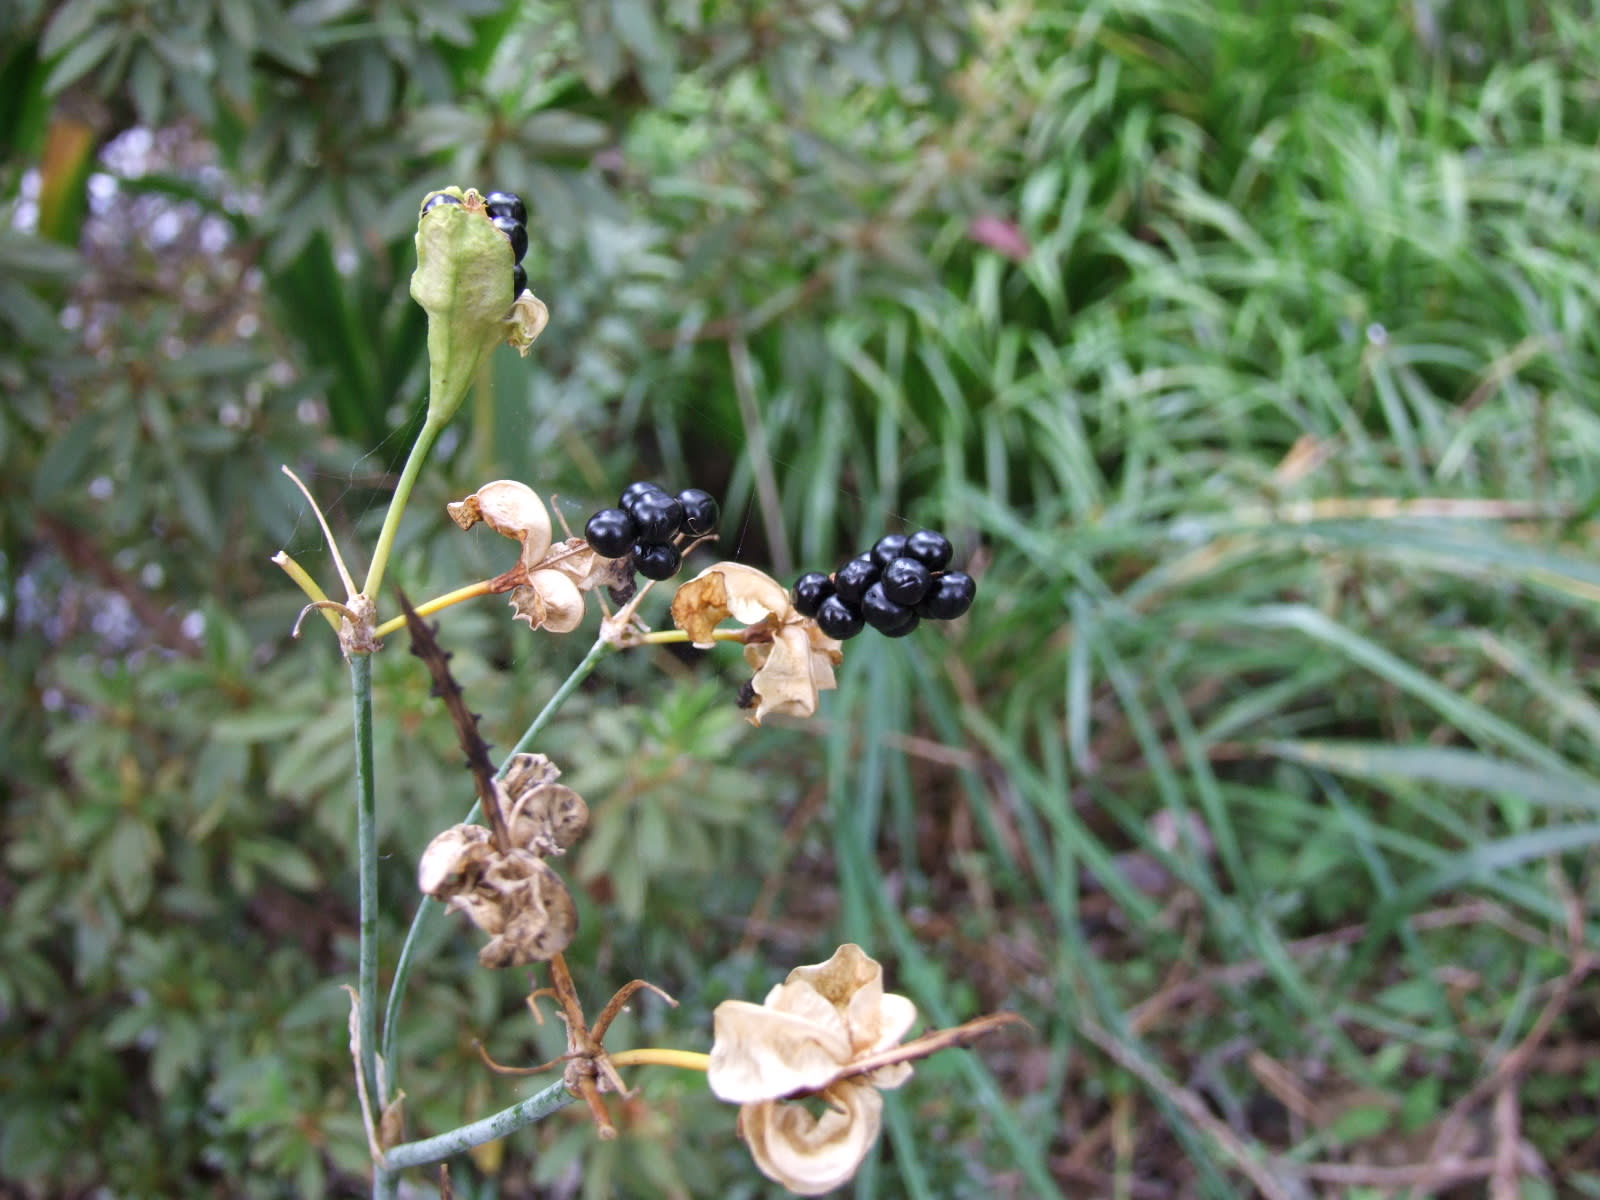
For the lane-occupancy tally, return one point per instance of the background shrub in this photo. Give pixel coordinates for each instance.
(1248, 350)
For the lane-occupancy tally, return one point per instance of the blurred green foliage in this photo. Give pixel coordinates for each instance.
(1248, 350)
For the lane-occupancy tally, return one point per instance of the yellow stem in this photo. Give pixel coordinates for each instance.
(307, 584)
(659, 1056)
(666, 636)
(481, 588)
(333, 546)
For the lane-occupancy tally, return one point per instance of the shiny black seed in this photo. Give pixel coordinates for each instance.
(905, 581)
(747, 694)
(882, 613)
(517, 232)
(838, 620)
(633, 491)
(888, 548)
(810, 590)
(519, 280)
(905, 627)
(659, 517)
(506, 204)
(433, 202)
(611, 532)
(852, 580)
(657, 560)
(949, 597)
(700, 511)
(931, 548)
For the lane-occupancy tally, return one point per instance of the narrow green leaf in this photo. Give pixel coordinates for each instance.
(558, 131)
(257, 726)
(130, 854)
(64, 462)
(83, 57)
(1471, 718)
(288, 864)
(1448, 765)
(72, 22)
(32, 257)
(147, 84)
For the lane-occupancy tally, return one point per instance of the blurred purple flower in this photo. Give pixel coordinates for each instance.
(1000, 235)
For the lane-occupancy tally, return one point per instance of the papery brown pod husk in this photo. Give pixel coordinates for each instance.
(577, 560)
(526, 771)
(549, 600)
(548, 819)
(453, 859)
(512, 509)
(537, 916)
(514, 897)
(726, 590)
(792, 669)
(811, 1154)
(793, 663)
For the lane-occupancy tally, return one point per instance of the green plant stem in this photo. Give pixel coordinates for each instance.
(367, 868)
(446, 1145)
(397, 504)
(425, 911)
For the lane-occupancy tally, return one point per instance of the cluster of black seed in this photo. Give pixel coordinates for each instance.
(646, 524)
(510, 217)
(890, 587)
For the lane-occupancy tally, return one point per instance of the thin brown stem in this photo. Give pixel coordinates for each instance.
(567, 996)
(932, 1043)
(502, 1069)
(590, 1091)
(619, 1001)
(1185, 1101)
(1516, 1060)
(426, 647)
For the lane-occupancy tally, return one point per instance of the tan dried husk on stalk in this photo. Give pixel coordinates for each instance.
(558, 574)
(805, 1040)
(510, 508)
(513, 895)
(792, 667)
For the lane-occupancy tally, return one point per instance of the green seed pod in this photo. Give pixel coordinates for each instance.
(462, 281)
